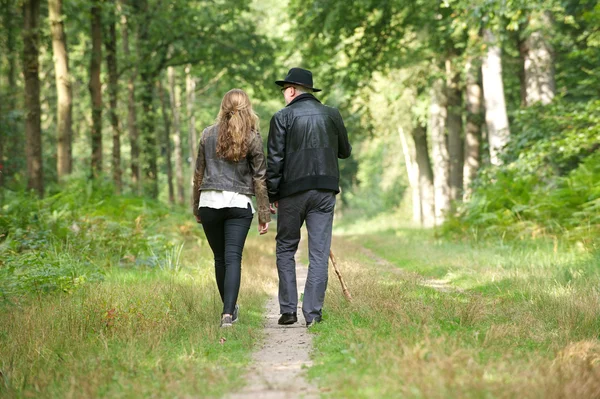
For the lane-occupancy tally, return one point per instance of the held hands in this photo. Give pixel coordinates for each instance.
(273, 207)
(198, 219)
(263, 228)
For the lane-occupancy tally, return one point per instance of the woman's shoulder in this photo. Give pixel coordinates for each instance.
(210, 130)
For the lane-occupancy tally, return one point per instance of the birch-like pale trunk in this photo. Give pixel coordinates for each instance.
(95, 87)
(455, 127)
(439, 151)
(496, 118)
(31, 68)
(166, 139)
(473, 130)
(539, 61)
(132, 126)
(426, 192)
(175, 97)
(190, 90)
(64, 92)
(412, 171)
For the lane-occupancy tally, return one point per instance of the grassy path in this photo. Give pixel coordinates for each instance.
(501, 321)
(514, 321)
(141, 332)
(278, 366)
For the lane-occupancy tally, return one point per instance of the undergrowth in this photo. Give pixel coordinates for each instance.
(73, 237)
(549, 184)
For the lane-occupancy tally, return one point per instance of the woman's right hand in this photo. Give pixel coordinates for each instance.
(263, 228)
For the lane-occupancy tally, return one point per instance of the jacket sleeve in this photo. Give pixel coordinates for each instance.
(258, 166)
(344, 147)
(275, 156)
(198, 175)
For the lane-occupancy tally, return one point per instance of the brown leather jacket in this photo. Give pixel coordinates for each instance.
(248, 176)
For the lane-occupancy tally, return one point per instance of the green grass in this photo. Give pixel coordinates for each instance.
(124, 304)
(511, 320)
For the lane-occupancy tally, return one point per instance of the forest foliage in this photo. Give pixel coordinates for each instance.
(406, 75)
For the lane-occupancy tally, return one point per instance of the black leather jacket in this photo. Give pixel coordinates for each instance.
(306, 138)
(245, 177)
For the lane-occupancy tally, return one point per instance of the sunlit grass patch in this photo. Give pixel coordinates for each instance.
(147, 327)
(503, 334)
(139, 333)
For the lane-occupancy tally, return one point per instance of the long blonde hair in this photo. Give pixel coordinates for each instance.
(237, 123)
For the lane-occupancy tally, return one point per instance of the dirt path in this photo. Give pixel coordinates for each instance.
(278, 367)
(437, 284)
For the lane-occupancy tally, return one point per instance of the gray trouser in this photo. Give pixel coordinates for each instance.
(316, 208)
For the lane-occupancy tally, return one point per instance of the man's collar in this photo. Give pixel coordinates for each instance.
(303, 97)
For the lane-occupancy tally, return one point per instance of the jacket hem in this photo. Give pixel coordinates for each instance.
(330, 183)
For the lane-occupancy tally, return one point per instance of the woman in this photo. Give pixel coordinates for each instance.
(230, 168)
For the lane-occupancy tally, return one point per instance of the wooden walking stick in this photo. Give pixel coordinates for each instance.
(337, 271)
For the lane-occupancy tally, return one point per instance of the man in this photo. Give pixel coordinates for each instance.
(306, 138)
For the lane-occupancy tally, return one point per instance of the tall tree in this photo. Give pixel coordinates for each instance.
(110, 43)
(455, 127)
(493, 91)
(131, 108)
(148, 76)
(64, 119)
(439, 151)
(473, 129)
(175, 97)
(95, 87)
(12, 137)
(190, 90)
(3, 121)
(538, 62)
(33, 128)
(426, 191)
(412, 170)
(166, 139)
(204, 29)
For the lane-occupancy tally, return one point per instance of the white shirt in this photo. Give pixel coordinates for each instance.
(216, 199)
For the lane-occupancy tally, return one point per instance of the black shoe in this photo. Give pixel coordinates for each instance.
(288, 318)
(313, 322)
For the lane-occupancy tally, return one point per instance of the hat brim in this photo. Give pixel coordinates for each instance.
(282, 82)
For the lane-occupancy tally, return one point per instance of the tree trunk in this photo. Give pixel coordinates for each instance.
(426, 191)
(473, 131)
(539, 61)
(113, 91)
(3, 123)
(95, 87)
(439, 150)
(190, 89)
(131, 111)
(455, 127)
(493, 93)
(175, 96)
(33, 128)
(522, 82)
(14, 137)
(150, 167)
(412, 172)
(64, 156)
(167, 139)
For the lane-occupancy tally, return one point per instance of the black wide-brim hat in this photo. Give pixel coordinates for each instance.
(300, 77)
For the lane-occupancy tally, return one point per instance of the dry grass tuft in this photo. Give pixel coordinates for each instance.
(576, 371)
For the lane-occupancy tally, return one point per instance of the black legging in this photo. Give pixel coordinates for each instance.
(226, 230)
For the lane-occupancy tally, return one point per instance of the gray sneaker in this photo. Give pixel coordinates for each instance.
(226, 321)
(235, 313)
